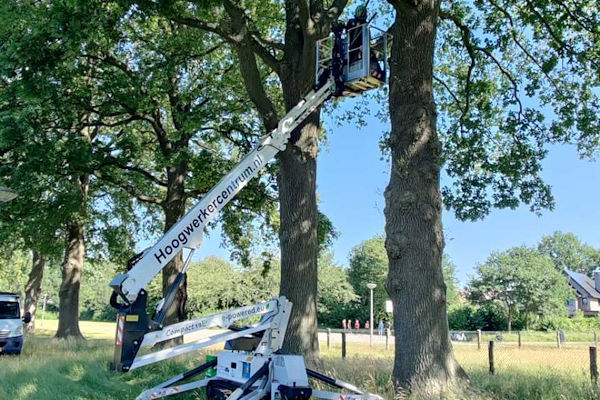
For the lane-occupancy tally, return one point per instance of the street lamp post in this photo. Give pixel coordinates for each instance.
(371, 286)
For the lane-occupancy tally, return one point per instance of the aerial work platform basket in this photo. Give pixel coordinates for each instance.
(364, 50)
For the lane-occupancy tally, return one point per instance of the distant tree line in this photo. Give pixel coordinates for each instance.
(524, 287)
(215, 284)
(519, 288)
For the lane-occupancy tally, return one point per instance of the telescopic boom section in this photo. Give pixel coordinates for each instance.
(187, 233)
(251, 364)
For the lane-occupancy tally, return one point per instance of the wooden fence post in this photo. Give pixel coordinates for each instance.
(343, 344)
(328, 338)
(519, 333)
(387, 339)
(594, 365)
(491, 356)
(478, 339)
(558, 339)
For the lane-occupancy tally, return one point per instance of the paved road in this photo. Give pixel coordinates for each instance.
(362, 337)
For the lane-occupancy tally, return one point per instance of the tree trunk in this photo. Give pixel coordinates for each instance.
(174, 209)
(299, 246)
(71, 269)
(298, 201)
(509, 320)
(424, 360)
(33, 287)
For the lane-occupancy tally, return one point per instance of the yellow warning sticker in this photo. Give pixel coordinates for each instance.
(132, 318)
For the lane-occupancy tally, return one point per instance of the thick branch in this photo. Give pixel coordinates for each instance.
(249, 68)
(521, 46)
(243, 37)
(592, 28)
(451, 93)
(323, 19)
(269, 42)
(403, 6)
(306, 22)
(465, 34)
(133, 168)
(161, 133)
(255, 88)
(205, 26)
(246, 36)
(562, 45)
(507, 74)
(471, 48)
(336, 9)
(115, 62)
(113, 124)
(130, 189)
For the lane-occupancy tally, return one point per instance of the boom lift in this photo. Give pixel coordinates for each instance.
(251, 366)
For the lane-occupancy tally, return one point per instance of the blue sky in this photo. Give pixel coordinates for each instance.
(352, 177)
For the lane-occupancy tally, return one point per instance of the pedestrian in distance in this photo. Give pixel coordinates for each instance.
(381, 327)
(367, 325)
(356, 324)
(349, 325)
(344, 324)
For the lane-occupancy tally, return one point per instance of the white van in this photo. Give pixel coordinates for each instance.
(11, 324)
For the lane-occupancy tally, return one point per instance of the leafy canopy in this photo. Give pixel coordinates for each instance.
(568, 252)
(523, 281)
(511, 77)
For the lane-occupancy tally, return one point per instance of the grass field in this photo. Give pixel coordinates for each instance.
(53, 370)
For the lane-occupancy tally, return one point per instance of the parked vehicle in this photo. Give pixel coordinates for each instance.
(11, 323)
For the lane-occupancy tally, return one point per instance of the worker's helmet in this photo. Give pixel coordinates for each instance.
(361, 12)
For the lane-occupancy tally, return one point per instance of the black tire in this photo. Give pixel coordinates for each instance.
(219, 389)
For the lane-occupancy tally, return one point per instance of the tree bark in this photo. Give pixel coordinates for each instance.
(424, 360)
(297, 196)
(33, 287)
(299, 244)
(71, 269)
(174, 209)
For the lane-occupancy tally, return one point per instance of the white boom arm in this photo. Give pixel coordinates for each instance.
(255, 367)
(187, 233)
(275, 312)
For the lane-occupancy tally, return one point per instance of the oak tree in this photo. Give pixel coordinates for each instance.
(477, 89)
(275, 55)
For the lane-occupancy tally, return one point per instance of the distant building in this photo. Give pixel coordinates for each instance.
(587, 291)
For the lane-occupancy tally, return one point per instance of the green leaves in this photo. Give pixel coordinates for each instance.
(524, 282)
(336, 296)
(369, 264)
(568, 252)
(511, 77)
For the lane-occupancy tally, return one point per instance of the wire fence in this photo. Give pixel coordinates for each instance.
(500, 353)
(504, 353)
